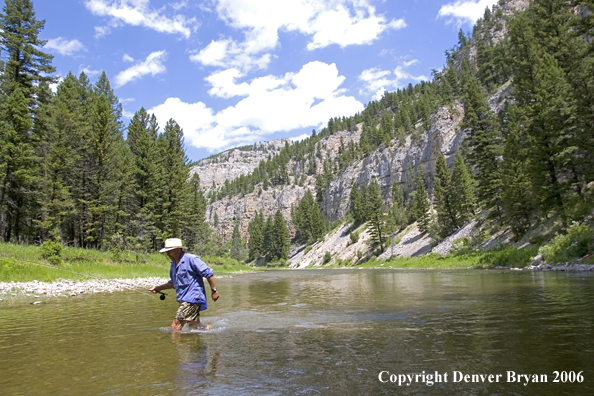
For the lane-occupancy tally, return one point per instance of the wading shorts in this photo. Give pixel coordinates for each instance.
(188, 311)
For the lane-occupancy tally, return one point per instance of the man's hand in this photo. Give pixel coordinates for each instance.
(215, 295)
(160, 288)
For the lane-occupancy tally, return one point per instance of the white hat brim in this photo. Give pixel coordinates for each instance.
(171, 248)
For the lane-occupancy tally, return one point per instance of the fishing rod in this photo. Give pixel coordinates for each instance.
(162, 295)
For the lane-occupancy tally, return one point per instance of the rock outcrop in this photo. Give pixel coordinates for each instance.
(390, 165)
(233, 163)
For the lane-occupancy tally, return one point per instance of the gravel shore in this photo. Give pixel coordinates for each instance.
(560, 267)
(69, 288)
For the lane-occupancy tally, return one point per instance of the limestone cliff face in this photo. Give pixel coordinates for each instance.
(243, 209)
(387, 165)
(233, 163)
(390, 165)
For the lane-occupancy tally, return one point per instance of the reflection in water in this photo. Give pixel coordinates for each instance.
(311, 332)
(194, 371)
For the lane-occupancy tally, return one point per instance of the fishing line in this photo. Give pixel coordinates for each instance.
(162, 295)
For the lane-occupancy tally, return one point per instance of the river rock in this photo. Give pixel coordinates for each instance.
(537, 261)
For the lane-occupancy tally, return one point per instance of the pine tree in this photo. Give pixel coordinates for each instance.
(54, 196)
(198, 230)
(256, 237)
(268, 231)
(517, 199)
(376, 213)
(447, 217)
(446, 91)
(63, 167)
(147, 179)
(100, 192)
(463, 191)
(551, 135)
(175, 174)
(19, 165)
(21, 76)
(386, 128)
(452, 78)
(486, 146)
(420, 201)
(279, 238)
(308, 219)
(237, 251)
(397, 215)
(27, 65)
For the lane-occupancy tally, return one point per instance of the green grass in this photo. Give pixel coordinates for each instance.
(507, 257)
(18, 264)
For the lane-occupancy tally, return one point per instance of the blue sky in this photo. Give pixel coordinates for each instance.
(235, 72)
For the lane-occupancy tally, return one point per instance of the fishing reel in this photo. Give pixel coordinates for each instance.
(162, 296)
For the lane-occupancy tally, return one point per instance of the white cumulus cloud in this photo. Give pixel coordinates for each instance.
(228, 53)
(64, 46)
(325, 22)
(152, 65)
(88, 71)
(101, 31)
(464, 11)
(269, 104)
(140, 13)
(377, 81)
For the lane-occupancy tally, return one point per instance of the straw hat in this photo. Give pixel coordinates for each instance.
(172, 243)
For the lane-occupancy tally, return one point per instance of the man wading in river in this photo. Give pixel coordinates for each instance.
(186, 273)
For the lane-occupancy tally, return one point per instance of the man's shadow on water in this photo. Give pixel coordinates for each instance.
(193, 367)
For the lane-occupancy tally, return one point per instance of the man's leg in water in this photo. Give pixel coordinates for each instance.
(196, 325)
(188, 313)
(177, 324)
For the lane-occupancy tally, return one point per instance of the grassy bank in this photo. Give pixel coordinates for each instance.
(510, 257)
(18, 263)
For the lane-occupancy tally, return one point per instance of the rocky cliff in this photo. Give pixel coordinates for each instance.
(233, 163)
(387, 165)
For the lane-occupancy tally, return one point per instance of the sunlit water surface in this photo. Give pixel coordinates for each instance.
(308, 333)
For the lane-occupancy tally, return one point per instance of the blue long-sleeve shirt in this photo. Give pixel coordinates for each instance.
(187, 278)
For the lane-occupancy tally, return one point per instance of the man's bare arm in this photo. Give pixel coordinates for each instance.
(211, 282)
(165, 286)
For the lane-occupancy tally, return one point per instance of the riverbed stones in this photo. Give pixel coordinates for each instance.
(561, 267)
(68, 288)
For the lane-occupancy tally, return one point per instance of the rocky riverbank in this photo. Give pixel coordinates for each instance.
(560, 267)
(69, 288)
(538, 264)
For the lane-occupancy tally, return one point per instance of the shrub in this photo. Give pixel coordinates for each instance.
(576, 243)
(461, 246)
(344, 263)
(327, 257)
(307, 249)
(354, 236)
(508, 257)
(52, 252)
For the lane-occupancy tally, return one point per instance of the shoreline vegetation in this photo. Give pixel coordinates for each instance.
(29, 272)
(26, 276)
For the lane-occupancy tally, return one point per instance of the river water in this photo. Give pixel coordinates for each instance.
(314, 332)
